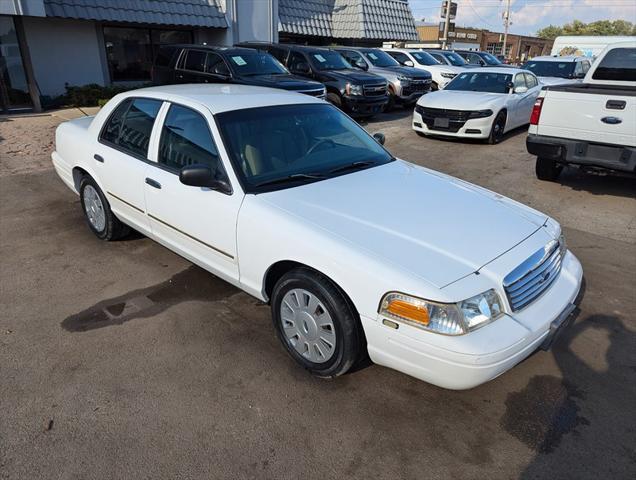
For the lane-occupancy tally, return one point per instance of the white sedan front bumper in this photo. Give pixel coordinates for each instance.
(473, 128)
(466, 361)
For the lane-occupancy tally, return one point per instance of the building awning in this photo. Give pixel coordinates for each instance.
(364, 19)
(192, 13)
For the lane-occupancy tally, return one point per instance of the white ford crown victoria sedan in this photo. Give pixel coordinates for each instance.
(289, 199)
(482, 103)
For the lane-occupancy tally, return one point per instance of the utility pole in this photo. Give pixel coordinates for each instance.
(506, 26)
(446, 22)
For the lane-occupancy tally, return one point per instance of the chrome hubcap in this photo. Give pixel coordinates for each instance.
(94, 208)
(308, 326)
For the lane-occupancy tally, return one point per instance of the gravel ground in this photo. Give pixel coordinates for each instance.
(194, 384)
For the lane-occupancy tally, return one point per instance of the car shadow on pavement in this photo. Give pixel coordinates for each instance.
(550, 407)
(596, 184)
(192, 284)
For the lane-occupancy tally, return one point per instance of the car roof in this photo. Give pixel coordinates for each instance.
(222, 97)
(509, 71)
(212, 48)
(565, 58)
(359, 49)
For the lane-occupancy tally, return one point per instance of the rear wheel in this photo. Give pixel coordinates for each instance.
(101, 220)
(316, 323)
(548, 169)
(497, 129)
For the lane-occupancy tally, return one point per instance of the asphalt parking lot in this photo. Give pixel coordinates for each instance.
(122, 360)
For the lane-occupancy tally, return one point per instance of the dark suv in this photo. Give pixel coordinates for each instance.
(207, 64)
(357, 92)
(480, 59)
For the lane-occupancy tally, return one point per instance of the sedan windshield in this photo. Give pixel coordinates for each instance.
(550, 69)
(257, 63)
(481, 82)
(296, 144)
(424, 58)
(455, 59)
(381, 59)
(328, 60)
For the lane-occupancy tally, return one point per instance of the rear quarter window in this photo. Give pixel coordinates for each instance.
(618, 65)
(164, 56)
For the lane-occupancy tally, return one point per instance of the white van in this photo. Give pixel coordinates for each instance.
(590, 46)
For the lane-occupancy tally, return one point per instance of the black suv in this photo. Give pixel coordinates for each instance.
(357, 92)
(207, 64)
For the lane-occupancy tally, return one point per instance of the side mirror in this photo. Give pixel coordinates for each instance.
(379, 137)
(409, 63)
(201, 176)
(302, 68)
(482, 62)
(361, 64)
(521, 90)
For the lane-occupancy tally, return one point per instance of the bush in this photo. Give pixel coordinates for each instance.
(91, 95)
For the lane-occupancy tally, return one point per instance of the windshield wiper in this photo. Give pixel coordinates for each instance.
(352, 166)
(290, 178)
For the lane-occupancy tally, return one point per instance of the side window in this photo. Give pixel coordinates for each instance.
(520, 80)
(137, 126)
(295, 59)
(586, 66)
(278, 53)
(130, 125)
(399, 56)
(531, 80)
(195, 61)
(216, 65)
(186, 140)
(578, 68)
(110, 132)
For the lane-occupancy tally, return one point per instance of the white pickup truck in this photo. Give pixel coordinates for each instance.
(591, 125)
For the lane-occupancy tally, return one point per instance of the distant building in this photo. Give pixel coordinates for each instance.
(48, 44)
(518, 47)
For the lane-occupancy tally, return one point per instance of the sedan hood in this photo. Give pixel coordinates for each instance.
(428, 224)
(460, 100)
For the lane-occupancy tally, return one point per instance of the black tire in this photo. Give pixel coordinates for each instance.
(392, 102)
(497, 130)
(335, 99)
(547, 169)
(348, 332)
(113, 228)
(434, 87)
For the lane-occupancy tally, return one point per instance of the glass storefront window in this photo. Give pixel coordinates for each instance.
(14, 91)
(130, 51)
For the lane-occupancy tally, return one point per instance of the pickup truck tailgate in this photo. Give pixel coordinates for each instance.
(590, 113)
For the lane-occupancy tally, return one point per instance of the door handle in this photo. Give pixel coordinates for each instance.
(611, 120)
(616, 104)
(153, 183)
(99, 158)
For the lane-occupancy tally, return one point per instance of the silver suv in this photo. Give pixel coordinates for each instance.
(406, 84)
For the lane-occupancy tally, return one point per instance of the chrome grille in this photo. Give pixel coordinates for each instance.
(374, 90)
(534, 276)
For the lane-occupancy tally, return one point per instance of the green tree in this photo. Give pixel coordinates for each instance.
(600, 27)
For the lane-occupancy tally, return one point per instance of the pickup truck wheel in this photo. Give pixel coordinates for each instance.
(101, 220)
(497, 129)
(335, 99)
(547, 169)
(315, 323)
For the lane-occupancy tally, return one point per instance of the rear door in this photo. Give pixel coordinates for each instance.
(199, 223)
(191, 67)
(121, 158)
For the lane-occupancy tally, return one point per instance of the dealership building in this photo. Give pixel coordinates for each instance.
(46, 45)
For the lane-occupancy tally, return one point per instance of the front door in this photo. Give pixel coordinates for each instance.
(121, 158)
(197, 222)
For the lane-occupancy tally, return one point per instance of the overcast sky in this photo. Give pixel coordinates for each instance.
(527, 15)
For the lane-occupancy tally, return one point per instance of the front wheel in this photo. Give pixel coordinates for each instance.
(497, 129)
(547, 169)
(316, 323)
(335, 99)
(100, 218)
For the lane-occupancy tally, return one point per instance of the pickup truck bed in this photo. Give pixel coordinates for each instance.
(591, 125)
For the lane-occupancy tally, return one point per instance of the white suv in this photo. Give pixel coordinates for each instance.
(442, 74)
(558, 70)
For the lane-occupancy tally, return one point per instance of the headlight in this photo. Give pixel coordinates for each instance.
(445, 318)
(480, 114)
(448, 75)
(353, 89)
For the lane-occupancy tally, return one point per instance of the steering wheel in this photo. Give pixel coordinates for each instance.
(326, 141)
